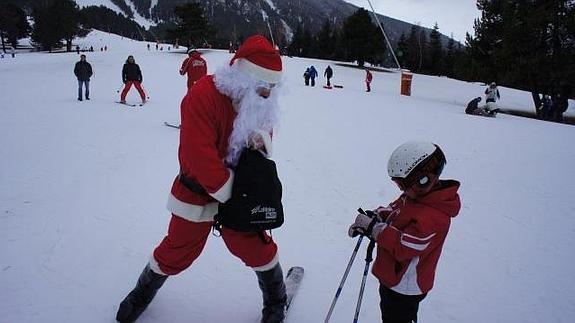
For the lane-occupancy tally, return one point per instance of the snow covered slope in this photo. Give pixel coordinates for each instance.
(83, 187)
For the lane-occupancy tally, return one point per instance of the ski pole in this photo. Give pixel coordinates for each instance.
(343, 279)
(368, 260)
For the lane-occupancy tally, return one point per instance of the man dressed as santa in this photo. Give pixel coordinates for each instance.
(221, 115)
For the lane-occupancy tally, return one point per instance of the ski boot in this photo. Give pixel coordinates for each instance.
(274, 294)
(139, 298)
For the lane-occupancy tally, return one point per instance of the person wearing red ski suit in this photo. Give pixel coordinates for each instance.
(368, 78)
(195, 66)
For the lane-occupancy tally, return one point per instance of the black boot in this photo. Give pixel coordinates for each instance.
(274, 294)
(139, 298)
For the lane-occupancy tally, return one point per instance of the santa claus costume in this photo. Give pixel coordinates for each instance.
(220, 115)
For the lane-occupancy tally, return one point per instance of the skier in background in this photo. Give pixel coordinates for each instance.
(368, 78)
(83, 72)
(306, 76)
(195, 66)
(491, 95)
(132, 75)
(410, 231)
(312, 75)
(221, 113)
(328, 73)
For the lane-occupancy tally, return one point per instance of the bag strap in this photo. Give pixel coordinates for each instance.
(217, 231)
(191, 184)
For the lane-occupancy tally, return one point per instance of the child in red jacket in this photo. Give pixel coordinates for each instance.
(410, 232)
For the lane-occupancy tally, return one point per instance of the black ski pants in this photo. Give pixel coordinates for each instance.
(398, 308)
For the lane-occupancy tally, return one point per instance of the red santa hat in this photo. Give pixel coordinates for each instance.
(258, 58)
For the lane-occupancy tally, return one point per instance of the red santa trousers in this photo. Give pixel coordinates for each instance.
(186, 240)
(138, 87)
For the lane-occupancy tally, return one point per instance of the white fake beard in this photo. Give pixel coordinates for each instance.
(255, 113)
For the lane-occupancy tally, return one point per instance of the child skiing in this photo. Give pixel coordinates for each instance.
(410, 232)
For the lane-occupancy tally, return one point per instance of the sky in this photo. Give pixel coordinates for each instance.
(452, 16)
(83, 189)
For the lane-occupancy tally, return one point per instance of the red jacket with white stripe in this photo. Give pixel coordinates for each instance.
(409, 247)
(195, 66)
(207, 118)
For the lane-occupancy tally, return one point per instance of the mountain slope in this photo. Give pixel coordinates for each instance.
(238, 18)
(83, 187)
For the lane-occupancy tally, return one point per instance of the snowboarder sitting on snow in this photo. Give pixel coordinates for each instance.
(220, 114)
(328, 73)
(83, 72)
(410, 231)
(474, 109)
(132, 75)
(195, 66)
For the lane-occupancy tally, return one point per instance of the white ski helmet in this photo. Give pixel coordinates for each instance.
(413, 161)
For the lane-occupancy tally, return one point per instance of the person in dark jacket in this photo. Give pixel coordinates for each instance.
(474, 109)
(312, 75)
(83, 72)
(306, 76)
(132, 75)
(546, 108)
(328, 73)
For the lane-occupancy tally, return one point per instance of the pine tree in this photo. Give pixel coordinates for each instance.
(191, 27)
(13, 24)
(361, 38)
(55, 21)
(435, 52)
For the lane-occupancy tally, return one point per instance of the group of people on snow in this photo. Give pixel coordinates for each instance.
(12, 52)
(311, 73)
(490, 108)
(552, 108)
(234, 110)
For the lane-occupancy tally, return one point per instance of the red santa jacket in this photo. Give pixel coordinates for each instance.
(195, 66)
(368, 77)
(409, 247)
(207, 118)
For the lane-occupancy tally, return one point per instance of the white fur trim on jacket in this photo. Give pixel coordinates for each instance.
(225, 192)
(155, 266)
(267, 139)
(269, 265)
(192, 212)
(258, 72)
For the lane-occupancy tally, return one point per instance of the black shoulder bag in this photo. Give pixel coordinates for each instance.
(255, 205)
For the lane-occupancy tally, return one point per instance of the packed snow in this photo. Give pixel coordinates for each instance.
(83, 187)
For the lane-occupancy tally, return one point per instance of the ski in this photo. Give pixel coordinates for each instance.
(126, 104)
(171, 125)
(293, 280)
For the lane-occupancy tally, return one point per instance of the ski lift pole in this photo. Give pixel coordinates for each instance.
(384, 35)
(343, 279)
(368, 260)
(271, 34)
